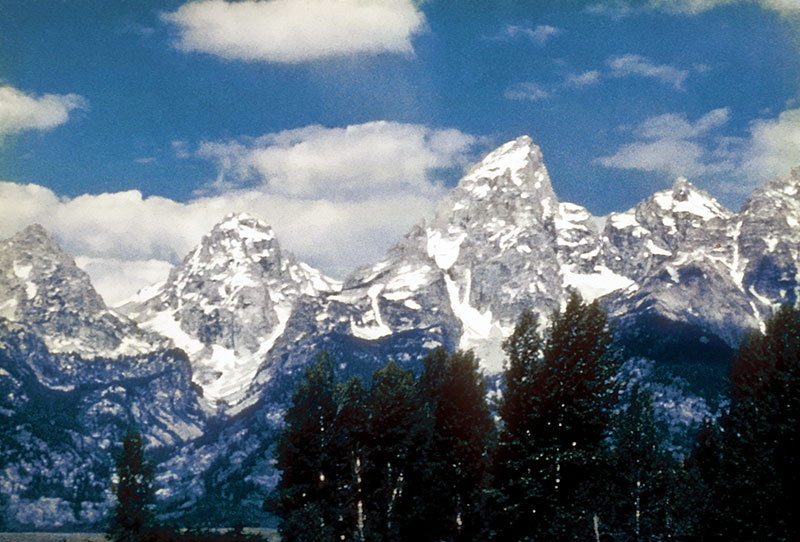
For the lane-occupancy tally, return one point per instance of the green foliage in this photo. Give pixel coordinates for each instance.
(552, 459)
(650, 500)
(396, 472)
(752, 464)
(455, 394)
(405, 459)
(351, 433)
(305, 494)
(133, 515)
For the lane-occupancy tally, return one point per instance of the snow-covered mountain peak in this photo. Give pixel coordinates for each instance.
(515, 166)
(245, 226)
(510, 188)
(36, 275)
(239, 237)
(684, 197)
(35, 240)
(41, 286)
(228, 302)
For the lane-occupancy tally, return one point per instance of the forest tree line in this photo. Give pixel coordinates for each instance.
(562, 454)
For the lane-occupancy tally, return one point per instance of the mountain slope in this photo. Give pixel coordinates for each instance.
(74, 377)
(228, 302)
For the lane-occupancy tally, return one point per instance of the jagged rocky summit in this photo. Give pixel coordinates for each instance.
(206, 361)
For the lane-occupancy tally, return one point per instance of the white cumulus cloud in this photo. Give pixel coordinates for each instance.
(20, 111)
(293, 31)
(353, 163)
(774, 146)
(674, 145)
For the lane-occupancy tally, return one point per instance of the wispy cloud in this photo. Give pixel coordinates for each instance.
(672, 144)
(539, 34)
(630, 64)
(584, 79)
(288, 31)
(618, 9)
(20, 111)
(527, 91)
(620, 66)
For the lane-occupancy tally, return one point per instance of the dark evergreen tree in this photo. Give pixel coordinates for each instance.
(396, 472)
(455, 393)
(306, 498)
(757, 481)
(133, 518)
(553, 477)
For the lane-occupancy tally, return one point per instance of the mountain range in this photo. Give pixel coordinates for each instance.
(204, 363)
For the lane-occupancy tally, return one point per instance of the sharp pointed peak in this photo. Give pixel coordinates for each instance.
(681, 189)
(36, 235)
(517, 165)
(514, 154)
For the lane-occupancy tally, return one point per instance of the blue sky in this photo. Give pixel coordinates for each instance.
(129, 128)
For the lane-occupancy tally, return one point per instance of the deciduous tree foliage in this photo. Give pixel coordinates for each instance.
(646, 473)
(405, 459)
(552, 460)
(349, 447)
(306, 498)
(455, 393)
(397, 473)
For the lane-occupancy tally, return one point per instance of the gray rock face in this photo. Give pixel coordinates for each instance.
(227, 304)
(42, 287)
(74, 377)
(769, 244)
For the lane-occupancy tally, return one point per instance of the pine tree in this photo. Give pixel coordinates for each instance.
(133, 517)
(553, 475)
(305, 498)
(758, 477)
(455, 393)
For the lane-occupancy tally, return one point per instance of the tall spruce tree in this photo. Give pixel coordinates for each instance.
(306, 496)
(553, 474)
(133, 518)
(757, 481)
(455, 393)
